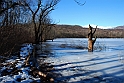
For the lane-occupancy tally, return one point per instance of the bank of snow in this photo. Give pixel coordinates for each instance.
(13, 69)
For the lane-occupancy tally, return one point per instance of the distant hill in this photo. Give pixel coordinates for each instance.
(76, 31)
(70, 31)
(119, 27)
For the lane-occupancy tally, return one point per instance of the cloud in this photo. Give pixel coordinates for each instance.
(102, 27)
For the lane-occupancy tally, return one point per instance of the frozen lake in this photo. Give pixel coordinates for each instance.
(74, 64)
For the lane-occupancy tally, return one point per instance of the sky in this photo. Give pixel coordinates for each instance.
(104, 13)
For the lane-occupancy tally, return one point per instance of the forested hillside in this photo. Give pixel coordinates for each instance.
(76, 31)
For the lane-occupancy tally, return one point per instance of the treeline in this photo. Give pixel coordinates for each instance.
(24, 21)
(76, 31)
(11, 37)
(69, 31)
(110, 33)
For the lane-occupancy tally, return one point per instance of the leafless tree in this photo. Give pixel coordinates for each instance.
(12, 12)
(90, 39)
(43, 9)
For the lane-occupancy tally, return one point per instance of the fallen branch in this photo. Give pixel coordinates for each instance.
(44, 77)
(31, 58)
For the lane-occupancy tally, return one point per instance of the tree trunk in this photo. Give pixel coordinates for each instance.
(90, 46)
(90, 39)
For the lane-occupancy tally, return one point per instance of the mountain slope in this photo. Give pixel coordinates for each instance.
(119, 27)
(75, 31)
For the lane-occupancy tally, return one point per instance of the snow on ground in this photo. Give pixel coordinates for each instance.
(22, 75)
(73, 64)
(78, 66)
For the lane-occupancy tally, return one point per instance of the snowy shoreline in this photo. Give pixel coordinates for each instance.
(71, 64)
(13, 69)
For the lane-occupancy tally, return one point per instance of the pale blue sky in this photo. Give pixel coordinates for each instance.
(104, 13)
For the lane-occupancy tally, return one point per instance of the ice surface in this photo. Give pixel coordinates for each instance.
(79, 66)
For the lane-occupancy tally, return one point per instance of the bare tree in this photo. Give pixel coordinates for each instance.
(12, 15)
(12, 12)
(44, 7)
(90, 39)
(46, 29)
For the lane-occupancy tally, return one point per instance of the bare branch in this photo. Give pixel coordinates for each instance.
(11, 6)
(94, 40)
(90, 27)
(81, 4)
(95, 30)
